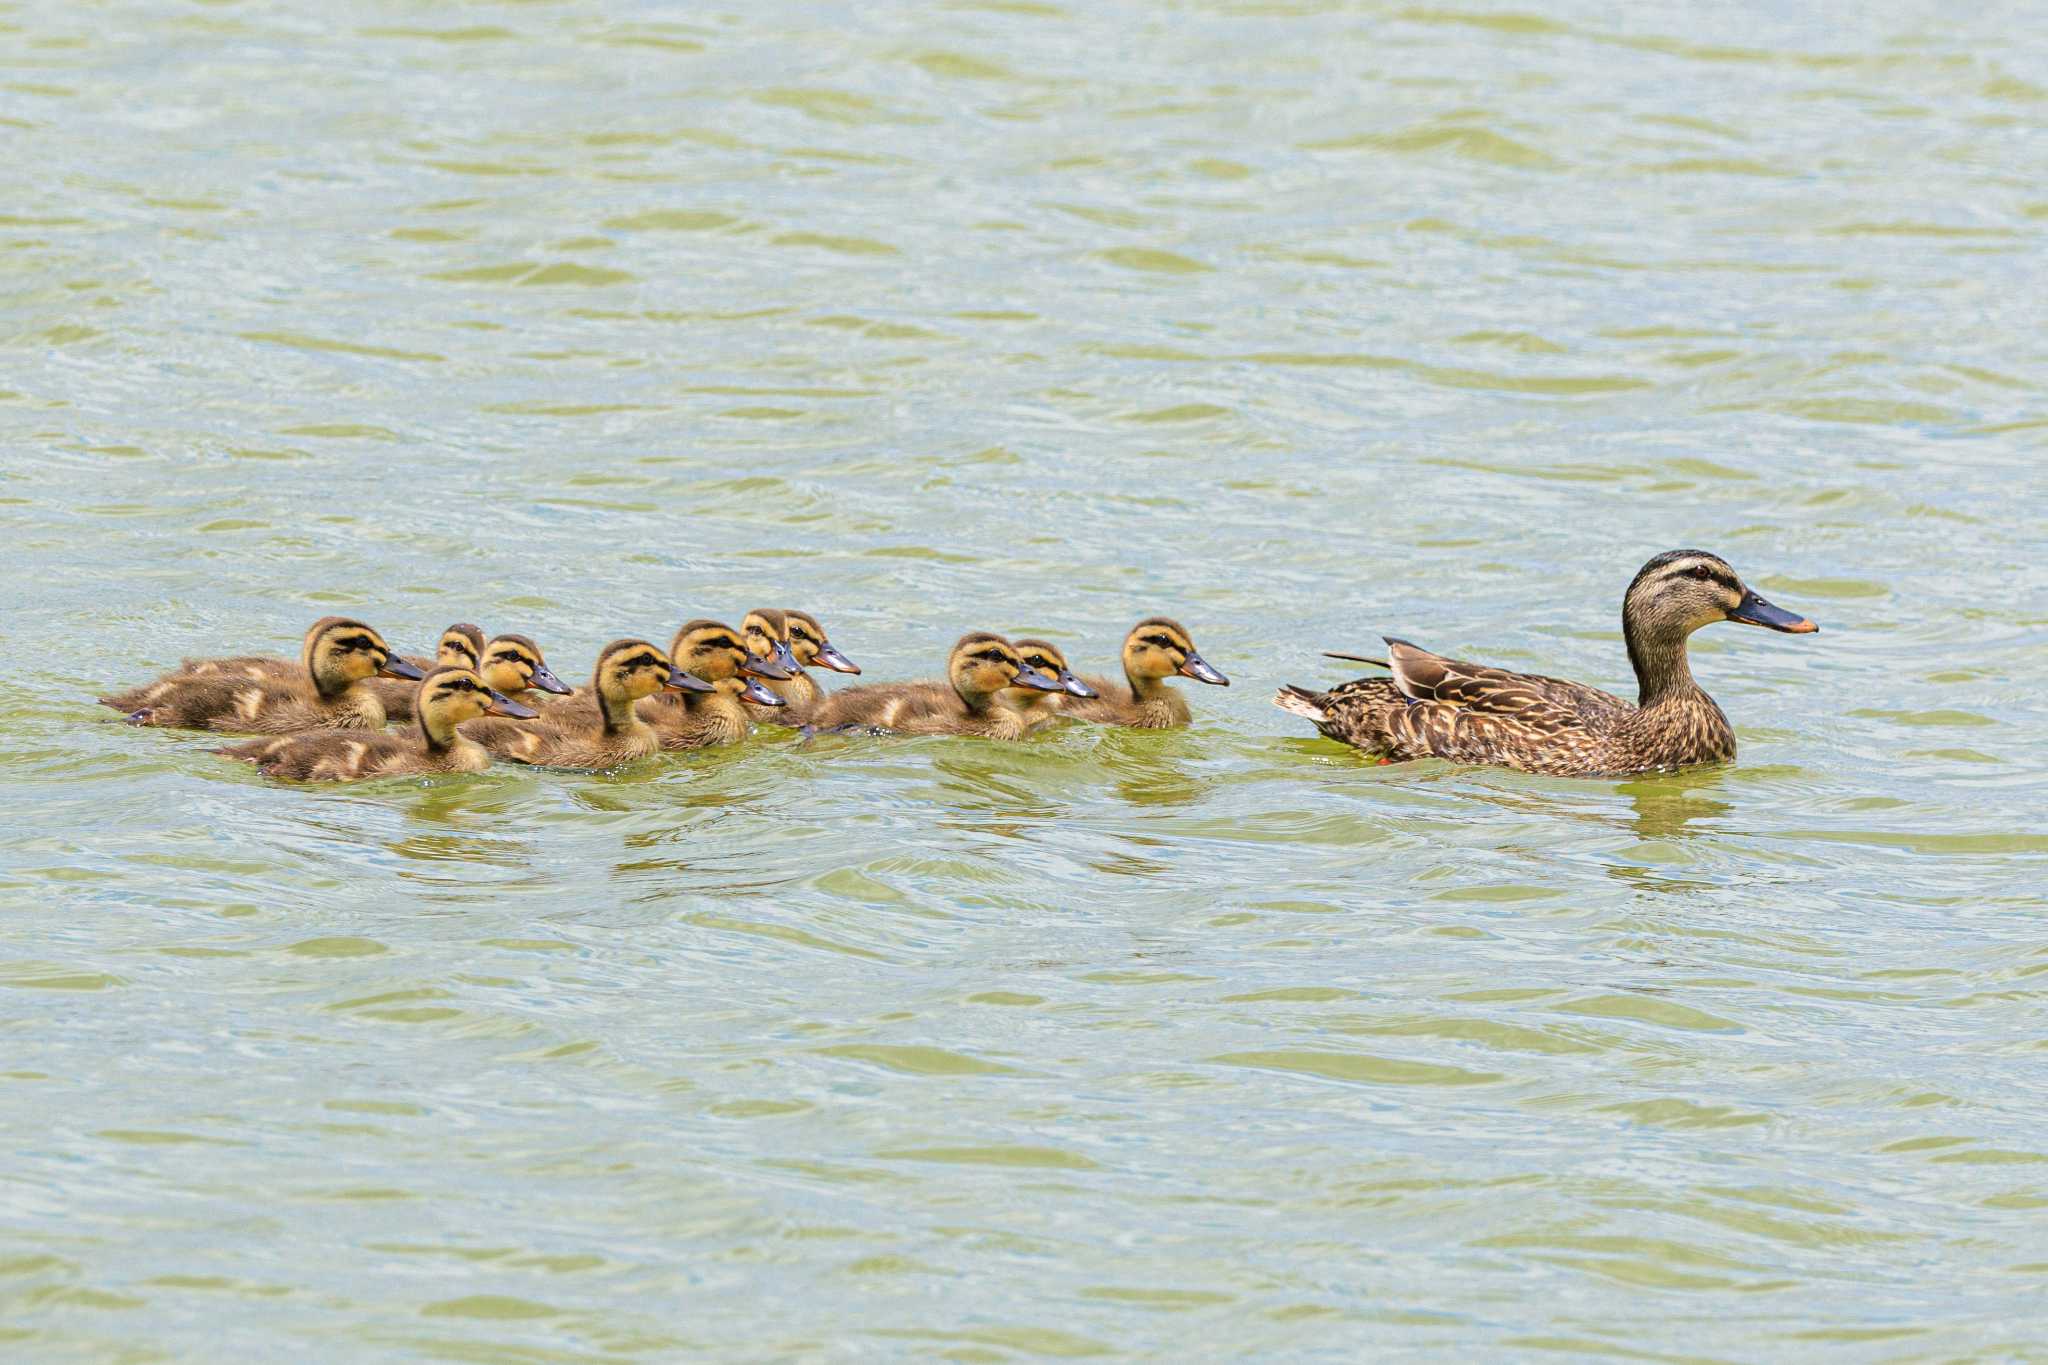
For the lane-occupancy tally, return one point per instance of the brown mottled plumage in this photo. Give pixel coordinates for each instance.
(460, 646)
(969, 702)
(1039, 707)
(1469, 713)
(696, 720)
(1156, 649)
(602, 731)
(325, 692)
(795, 640)
(447, 697)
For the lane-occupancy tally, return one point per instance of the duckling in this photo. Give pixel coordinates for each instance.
(1042, 708)
(981, 666)
(697, 720)
(602, 731)
(325, 692)
(460, 646)
(1468, 713)
(1156, 649)
(447, 697)
(513, 664)
(795, 640)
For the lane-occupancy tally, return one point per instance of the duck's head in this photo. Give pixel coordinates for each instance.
(807, 643)
(767, 635)
(461, 646)
(513, 663)
(983, 664)
(450, 696)
(1046, 658)
(1682, 590)
(341, 651)
(715, 652)
(1678, 592)
(1159, 647)
(628, 670)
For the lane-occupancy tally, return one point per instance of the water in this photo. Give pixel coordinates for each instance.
(1300, 321)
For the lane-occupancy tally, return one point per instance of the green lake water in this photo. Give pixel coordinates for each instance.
(1300, 321)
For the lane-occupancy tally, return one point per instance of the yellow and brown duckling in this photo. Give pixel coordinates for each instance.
(460, 646)
(1469, 713)
(1039, 707)
(600, 728)
(515, 666)
(325, 692)
(447, 697)
(1156, 649)
(714, 652)
(980, 669)
(795, 640)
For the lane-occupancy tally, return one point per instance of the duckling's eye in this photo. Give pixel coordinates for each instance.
(1159, 640)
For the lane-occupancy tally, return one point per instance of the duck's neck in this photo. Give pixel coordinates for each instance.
(1147, 688)
(1662, 671)
(435, 730)
(616, 711)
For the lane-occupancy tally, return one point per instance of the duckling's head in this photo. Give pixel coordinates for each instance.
(715, 652)
(1678, 592)
(461, 646)
(983, 664)
(767, 632)
(1045, 656)
(808, 644)
(450, 696)
(341, 651)
(628, 670)
(1159, 647)
(513, 663)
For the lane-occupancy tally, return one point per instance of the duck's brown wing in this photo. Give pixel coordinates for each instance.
(1435, 707)
(1423, 676)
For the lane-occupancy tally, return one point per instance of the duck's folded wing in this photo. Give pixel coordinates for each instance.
(1423, 676)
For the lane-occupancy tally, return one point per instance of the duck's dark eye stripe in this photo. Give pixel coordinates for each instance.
(358, 642)
(1161, 641)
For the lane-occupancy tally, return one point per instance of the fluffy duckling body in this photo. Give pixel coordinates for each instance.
(1156, 649)
(981, 667)
(1469, 713)
(602, 731)
(447, 697)
(1042, 708)
(696, 720)
(460, 646)
(325, 692)
(795, 640)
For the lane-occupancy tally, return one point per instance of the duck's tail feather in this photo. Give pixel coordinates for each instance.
(1300, 701)
(1357, 658)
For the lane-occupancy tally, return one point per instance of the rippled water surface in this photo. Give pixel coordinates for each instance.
(1300, 321)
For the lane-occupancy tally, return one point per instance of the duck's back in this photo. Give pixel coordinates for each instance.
(1117, 704)
(564, 737)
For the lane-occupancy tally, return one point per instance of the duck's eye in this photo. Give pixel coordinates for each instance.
(1159, 641)
(1702, 572)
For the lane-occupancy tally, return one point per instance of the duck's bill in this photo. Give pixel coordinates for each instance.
(759, 695)
(502, 705)
(770, 665)
(546, 681)
(679, 681)
(830, 657)
(1037, 681)
(1074, 685)
(1198, 668)
(395, 667)
(1754, 611)
(785, 657)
